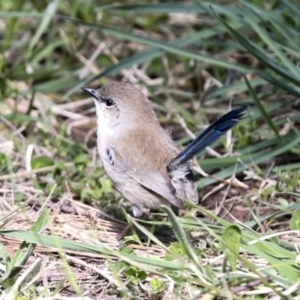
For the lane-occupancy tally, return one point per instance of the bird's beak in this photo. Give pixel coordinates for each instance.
(92, 92)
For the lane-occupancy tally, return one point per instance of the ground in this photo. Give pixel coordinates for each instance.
(60, 214)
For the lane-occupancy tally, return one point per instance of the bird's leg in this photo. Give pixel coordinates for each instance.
(137, 212)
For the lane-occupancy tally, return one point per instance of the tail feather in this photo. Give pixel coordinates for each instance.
(209, 135)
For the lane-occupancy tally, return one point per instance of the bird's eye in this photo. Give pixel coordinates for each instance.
(109, 102)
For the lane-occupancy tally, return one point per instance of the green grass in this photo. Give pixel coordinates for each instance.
(60, 213)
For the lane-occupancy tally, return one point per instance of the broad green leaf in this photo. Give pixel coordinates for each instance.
(41, 162)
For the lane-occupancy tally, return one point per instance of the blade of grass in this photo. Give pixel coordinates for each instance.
(47, 17)
(52, 241)
(290, 142)
(262, 110)
(257, 53)
(181, 237)
(155, 8)
(266, 38)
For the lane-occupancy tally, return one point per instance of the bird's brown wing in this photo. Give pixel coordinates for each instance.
(144, 158)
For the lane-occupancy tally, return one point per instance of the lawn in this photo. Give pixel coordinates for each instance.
(60, 214)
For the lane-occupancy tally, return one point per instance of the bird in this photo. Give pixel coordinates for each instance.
(140, 157)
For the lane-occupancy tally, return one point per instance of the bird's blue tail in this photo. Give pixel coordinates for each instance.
(209, 135)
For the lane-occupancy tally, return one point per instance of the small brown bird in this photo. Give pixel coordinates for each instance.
(140, 157)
